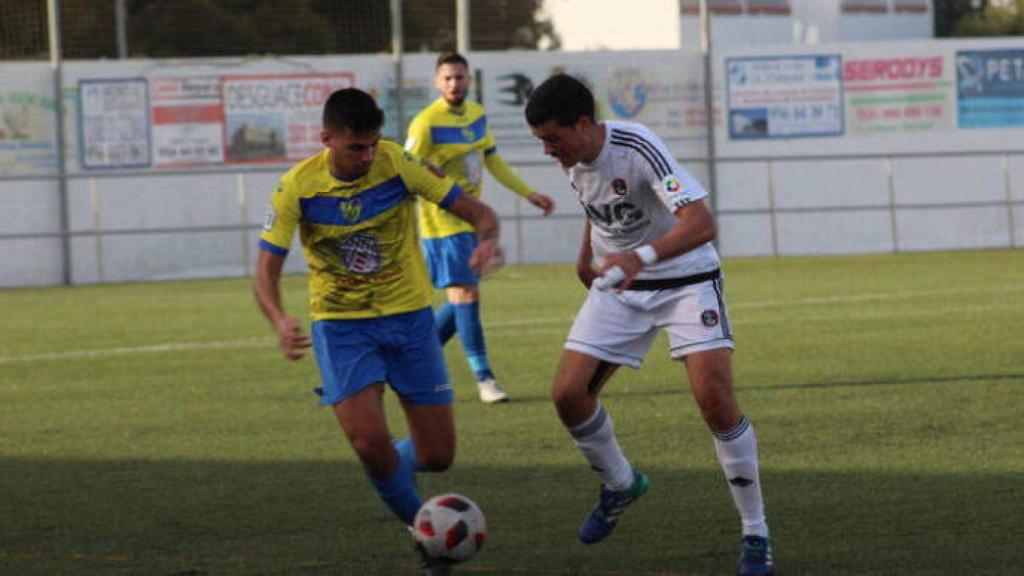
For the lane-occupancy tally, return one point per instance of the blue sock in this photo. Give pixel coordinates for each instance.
(407, 454)
(444, 320)
(399, 493)
(471, 334)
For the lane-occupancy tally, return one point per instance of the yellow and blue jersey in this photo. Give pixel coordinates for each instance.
(359, 237)
(455, 139)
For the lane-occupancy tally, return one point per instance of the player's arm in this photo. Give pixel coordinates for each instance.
(694, 227)
(508, 178)
(679, 192)
(585, 261)
(278, 229)
(485, 221)
(267, 288)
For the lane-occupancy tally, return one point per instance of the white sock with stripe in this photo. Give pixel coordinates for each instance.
(595, 438)
(737, 454)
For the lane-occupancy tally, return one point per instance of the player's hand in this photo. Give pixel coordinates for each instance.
(586, 273)
(487, 257)
(291, 338)
(628, 265)
(542, 201)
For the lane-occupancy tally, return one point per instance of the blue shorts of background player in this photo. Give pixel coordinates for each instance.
(448, 263)
(401, 349)
(448, 260)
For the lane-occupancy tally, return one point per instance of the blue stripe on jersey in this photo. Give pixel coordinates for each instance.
(490, 150)
(347, 211)
(452, 195)
(273, 248)
(459, 134)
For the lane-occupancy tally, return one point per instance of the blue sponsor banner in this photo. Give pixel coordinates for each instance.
(990, 88)
(784, 96)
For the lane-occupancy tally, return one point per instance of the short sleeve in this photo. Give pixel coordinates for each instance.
(673, 185)
(281, 219)
(427, 181)
(418, 139)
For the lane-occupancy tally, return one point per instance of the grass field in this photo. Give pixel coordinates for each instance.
(154, 429)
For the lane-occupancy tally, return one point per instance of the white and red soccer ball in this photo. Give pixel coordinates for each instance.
(450, 526)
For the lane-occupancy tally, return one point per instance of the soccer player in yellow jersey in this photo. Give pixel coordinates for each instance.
(354, 207)
(452, 134)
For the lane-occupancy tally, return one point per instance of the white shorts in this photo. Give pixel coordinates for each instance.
(618, 327)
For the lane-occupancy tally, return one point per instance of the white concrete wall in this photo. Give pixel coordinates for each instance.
(903, 190)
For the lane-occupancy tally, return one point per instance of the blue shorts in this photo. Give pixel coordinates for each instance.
(448, 259)
(401, 349)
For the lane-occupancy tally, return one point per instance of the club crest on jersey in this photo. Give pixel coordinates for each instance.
(619, 187)
(351, 208)
(360, 253)
(709, 318)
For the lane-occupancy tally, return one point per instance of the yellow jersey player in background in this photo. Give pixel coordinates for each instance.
(452, 134)
(354, 207)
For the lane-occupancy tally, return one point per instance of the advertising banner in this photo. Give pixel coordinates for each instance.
(898, 94)
(784, 96)
(26, 132)
(188, 121)
(665, 95)
(276, 118)
(114, 123)
(990, 88)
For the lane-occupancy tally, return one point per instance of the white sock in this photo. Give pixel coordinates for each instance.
(595, 438)
(737, 453)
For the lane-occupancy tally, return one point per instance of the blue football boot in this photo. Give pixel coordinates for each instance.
(605, 515)
(756, 557)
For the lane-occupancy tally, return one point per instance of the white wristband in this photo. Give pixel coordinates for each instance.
(647, 254)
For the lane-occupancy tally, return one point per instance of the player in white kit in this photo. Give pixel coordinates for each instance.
(649, 234)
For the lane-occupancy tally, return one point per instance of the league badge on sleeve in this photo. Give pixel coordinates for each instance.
(676, 193)
(269, 218)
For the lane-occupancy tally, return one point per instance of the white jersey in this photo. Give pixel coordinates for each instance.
(631, 192)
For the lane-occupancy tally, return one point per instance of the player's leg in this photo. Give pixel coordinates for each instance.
(437, 265)
(361, 417)
(353, 369)
(710, 375)
(606, 334)
(462, 288)
(417, 372)
(699, 334)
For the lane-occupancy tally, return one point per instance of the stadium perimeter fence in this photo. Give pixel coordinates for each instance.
(901, 147)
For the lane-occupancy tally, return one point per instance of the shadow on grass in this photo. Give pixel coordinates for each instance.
(203, 518)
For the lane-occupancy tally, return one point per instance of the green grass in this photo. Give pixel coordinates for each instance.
(154, 429)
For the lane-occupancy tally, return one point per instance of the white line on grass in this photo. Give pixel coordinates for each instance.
(548, 324)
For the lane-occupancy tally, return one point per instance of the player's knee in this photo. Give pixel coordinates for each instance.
(438, 461)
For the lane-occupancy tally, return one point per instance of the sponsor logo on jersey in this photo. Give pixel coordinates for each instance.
(351, 208)
(622, 214)
(619, 187)
(269, 218)
(360, 253)
(709, 318)
(468, 133)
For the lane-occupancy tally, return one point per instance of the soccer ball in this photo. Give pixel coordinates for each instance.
(450, 527)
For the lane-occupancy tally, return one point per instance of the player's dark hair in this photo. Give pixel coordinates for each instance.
(451, 58)
(352, 109)
(561, 98)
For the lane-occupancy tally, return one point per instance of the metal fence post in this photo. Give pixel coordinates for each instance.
(1007, 185)
(56, 64)
(894, 221)
(397, 47)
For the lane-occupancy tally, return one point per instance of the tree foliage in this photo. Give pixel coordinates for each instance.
(192, 28)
